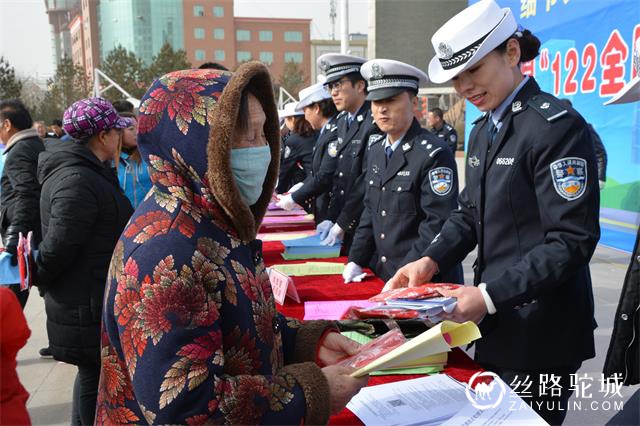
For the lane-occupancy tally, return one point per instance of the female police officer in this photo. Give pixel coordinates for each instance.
(530, 205)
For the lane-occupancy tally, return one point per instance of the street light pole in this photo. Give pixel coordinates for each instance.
(344, 27)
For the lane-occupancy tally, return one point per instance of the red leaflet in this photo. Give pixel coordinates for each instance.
(425, 291)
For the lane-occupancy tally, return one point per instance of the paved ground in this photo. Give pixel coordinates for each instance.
(50, 382)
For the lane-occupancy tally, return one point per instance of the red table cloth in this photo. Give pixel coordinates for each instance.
(332, 287)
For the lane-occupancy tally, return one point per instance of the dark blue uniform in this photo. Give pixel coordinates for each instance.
(345, 206)
(408, 198)
(530, 205)
(316, 191)
(295, 160)
(448, 135)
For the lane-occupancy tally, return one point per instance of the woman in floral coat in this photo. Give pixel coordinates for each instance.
(190, 330)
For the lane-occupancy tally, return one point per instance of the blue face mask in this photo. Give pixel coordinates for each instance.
(249, 167)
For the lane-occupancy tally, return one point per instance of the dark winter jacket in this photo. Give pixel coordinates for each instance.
(191, 334)
(83, 213)
(623, 356)
(20, 190)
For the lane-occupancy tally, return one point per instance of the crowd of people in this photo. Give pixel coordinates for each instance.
(145, 222)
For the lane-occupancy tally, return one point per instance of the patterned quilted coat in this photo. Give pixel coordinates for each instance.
(190, 330)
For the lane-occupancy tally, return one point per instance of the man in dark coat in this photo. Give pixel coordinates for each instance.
(355, 127)
(442, 129)
(20, 190)
(411, 180)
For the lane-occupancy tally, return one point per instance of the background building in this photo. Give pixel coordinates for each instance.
(357, 47)
(207, 30)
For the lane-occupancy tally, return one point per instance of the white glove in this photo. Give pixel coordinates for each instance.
(295, 187)
(323, 229)
(336, 234)
(285, 202)
(601, 183)
(353, 273)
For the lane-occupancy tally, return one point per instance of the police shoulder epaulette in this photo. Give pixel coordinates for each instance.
(479, 119)
(547, 106)
(448, 127)
(374, 138)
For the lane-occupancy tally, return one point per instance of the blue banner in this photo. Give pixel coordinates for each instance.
(587, 57)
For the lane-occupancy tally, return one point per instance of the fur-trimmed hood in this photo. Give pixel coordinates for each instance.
(186, 130)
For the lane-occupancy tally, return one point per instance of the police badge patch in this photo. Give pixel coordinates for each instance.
(569, 177)
(332, 150)
(441, 179)
(287, 152)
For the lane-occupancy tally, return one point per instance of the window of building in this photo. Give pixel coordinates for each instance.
(219, 55)
(243, 56)
(198, 33)
(198, 10)
(293, 57)
(218, 11)
(218, 33)
(266, 57)
(199, 55)
(266, 35)
(243, 35)
(295, 36)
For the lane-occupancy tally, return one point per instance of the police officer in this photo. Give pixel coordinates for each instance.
(297, 149)
(355, 127)
(530, 205)
(320, 112)
(442, 129)
(411, 179)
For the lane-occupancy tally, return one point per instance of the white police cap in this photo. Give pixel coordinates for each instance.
(312, 94)
(289, 110)
(387, 78)
(334, 65)
(468, 37)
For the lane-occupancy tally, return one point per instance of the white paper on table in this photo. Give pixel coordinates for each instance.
(512, 410)
(426, 400)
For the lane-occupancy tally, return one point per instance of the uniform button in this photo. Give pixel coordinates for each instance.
(383, 259)
(624, 317)
(341, 155)
(276, 325)
(399, 188)
(638, 259)
(370, 182)
(384, 213)
(341, 192)
(382, 236)
(340, 174)
(384, 189)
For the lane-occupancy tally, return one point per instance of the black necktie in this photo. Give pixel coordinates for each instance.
(493, 131)
(388, 152)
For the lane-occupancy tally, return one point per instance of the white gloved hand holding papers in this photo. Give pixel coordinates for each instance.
(323, 229)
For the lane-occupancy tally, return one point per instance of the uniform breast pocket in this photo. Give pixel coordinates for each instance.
(402, 200)
(372, 192)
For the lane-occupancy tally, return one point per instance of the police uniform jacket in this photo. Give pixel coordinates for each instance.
(345, 206)
(531, 206)
(315, 193)
(448, 134)
(295, 160)
(407, 199)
